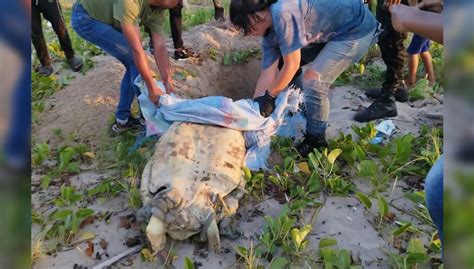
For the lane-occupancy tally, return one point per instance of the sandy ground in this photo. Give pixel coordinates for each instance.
(86, 104)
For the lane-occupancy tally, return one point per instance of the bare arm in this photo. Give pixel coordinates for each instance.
(162, 60)
(266, 79)
(423, 23)
(132, 33)
(286, 74)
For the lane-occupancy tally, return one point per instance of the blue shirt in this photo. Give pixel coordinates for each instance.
(297, 23)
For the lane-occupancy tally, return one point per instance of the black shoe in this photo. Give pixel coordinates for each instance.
(184, 53)
(309, 143)
(132, 123)
(379, 109)
(75, 63)
(401, 94)
(46, 70)
(219, 14)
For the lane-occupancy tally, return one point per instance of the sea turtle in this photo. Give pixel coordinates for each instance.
(193, 181)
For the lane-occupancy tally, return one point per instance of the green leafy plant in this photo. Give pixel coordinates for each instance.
(239, 57)
(323, 164)
(282, 177)
(281, 233)
(254, 183)
(249, 256)
(333, 257)
(107, 188)
(415, 255)
(40, 153)
(351, 150)
(63, 224)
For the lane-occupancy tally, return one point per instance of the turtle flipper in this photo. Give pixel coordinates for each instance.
(210, 231)
(156, 234)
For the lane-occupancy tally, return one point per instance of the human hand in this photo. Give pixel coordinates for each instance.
(169, 86)
(266, 104)
(154, 95)
(388, 3)
(435, 6)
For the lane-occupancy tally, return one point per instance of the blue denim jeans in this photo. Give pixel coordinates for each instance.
(16, 36)
(334, 58)
(434, 195)
(114, 43)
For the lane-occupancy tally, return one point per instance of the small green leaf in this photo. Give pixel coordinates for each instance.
(62, 214)
(73, 167)
(416, 246)
(402, 229)
(364, 199)
(188, 263)
(83, 213)
(415, 258)
(313, 160)
(226, 59)
(383, 206)
(367, 168)
(279, 263)
(45, 181)
(327, 242)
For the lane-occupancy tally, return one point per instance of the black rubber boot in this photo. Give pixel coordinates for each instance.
(309, 143)
(401, 94)
(382, 107)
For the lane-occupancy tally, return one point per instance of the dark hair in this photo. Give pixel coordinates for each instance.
(240, 9)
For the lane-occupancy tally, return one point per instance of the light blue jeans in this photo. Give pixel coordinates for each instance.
(334, 58)
(434, 195)
(114, 43)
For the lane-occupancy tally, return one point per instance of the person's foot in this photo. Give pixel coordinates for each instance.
(401, 94)
(184, 53)
(132, 123)
(46, 70)
(75, 63)
(309, 143)
(380, 108)
(219, 14)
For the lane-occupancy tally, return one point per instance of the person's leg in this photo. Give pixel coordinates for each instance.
(176, 25)
(393, 50)
(218, 10)
(53, 13)
(37, 37)
(428, 64)
(332, 60)
(412, 69)
(434, 195)
(180, 52)
(417, 46)
(113, 42)
(393, 54)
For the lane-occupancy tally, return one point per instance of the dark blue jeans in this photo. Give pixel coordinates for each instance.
(16, 34)
(434, 195)
(114, 43)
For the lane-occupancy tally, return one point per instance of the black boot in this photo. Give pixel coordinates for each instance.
(382, 107)
(309, 143)
(401, 94)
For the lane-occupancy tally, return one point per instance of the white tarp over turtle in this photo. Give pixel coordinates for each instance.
(242, 115)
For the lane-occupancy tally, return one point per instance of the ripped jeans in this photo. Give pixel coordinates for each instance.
(331, 61)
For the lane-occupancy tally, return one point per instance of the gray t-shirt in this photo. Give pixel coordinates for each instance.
(297, 23)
